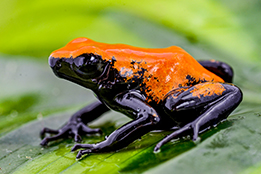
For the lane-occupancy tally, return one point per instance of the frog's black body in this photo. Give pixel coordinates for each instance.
(180, 110)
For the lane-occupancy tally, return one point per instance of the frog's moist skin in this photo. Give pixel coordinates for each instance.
(158, 88)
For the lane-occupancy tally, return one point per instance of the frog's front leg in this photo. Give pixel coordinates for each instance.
(203, 105)
(146, 119)
(77, 124)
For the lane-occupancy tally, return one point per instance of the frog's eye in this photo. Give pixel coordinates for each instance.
(87, 64)
(86, 59)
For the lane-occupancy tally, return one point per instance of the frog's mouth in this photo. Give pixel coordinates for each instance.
(62, 68)
(55, 64)
(66, 69)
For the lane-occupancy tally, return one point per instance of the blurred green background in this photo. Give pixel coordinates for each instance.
(31, 97)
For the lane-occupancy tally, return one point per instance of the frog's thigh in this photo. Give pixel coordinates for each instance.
(211, 101)
(216, 100)
(203, 95)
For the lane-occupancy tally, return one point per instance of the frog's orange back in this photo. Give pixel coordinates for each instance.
(163, 69)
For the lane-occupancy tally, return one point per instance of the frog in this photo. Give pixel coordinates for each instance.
(158, 88)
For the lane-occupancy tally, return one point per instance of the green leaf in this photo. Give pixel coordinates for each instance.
(36, 28)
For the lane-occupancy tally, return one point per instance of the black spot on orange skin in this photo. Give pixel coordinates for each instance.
(192, 81)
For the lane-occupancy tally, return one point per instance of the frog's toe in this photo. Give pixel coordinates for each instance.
(82, 129)
(79, 146)
(83, 152)
(195, 132)
(75, 132)
(44, 142)
(88, 130)
(47, 130)
(77, 138)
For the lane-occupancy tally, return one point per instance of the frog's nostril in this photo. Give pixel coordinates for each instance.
(54, 62)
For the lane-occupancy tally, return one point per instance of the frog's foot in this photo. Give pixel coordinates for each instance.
(218, 100)
(177, 134)
(71, 129)
(89, 148)
(104, 146)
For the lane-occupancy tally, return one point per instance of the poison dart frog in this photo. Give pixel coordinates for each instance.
(160, 89)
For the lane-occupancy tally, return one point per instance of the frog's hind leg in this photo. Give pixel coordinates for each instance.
(202, 106)
(221, 69)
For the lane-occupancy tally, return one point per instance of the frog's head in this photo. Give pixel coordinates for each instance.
(78, 61)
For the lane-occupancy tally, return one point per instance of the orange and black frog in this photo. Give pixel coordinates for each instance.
(160, 89)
